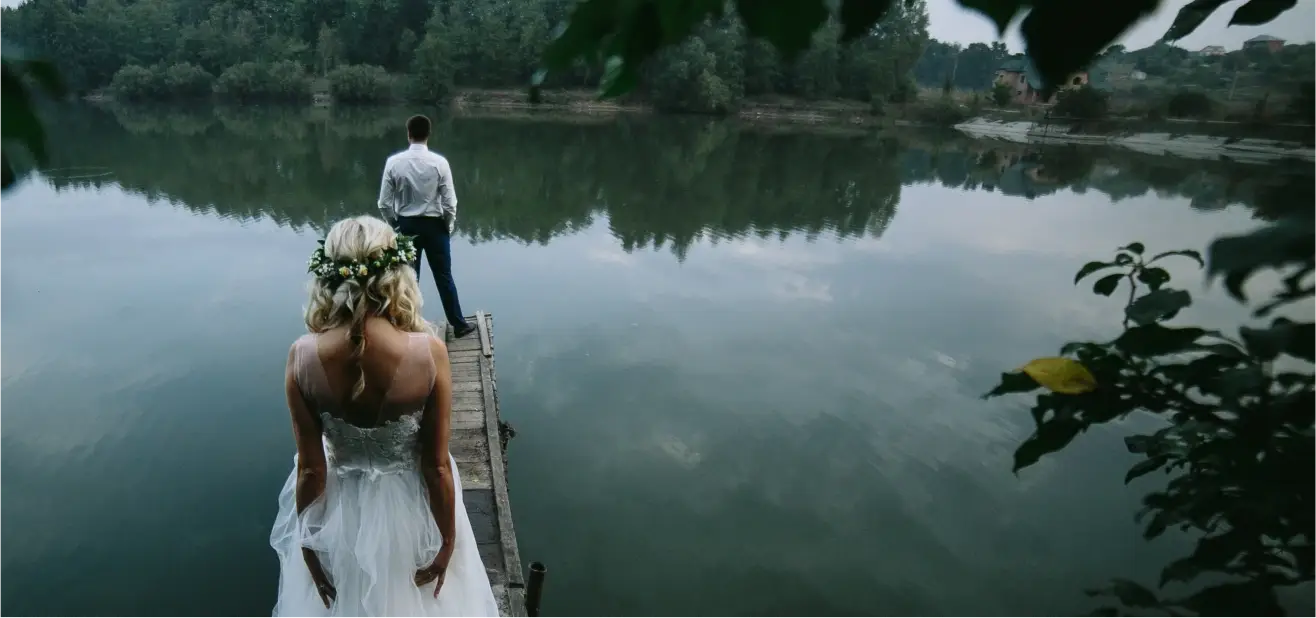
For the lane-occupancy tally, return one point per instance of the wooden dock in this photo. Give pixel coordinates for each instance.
(479, 446)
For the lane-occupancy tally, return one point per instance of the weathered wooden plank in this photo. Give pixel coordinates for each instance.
(467, 405)
(475, 475)
(458, 356)
(466, 385)
(466, 417)
(480, 509)
(476, 444)
(507, 535)
(516, 598)
(492, 556)
(465, 371)
(468, 451)
(482, 325)
(504, 600)
(464, 344)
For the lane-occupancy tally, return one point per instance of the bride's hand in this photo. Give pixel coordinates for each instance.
(327, 592)
(436, 571)
(322, 586)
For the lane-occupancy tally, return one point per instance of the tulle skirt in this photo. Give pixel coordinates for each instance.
(373, 531)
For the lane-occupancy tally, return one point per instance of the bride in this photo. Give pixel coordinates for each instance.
(371, 521)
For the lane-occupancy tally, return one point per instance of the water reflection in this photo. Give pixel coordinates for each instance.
(785, 420)
(658, 182)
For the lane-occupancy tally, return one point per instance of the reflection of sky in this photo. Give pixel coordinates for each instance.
(765, 427)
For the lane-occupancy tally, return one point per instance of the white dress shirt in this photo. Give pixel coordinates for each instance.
(418, 183)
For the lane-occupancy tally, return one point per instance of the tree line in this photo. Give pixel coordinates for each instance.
(267, 50)
(251, 50)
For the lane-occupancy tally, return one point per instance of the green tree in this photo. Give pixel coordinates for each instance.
(326, 49)
(187, 81)
(432, 69)
(1002, 94)
(359, 83)
(1189, 104)
(1086, 104)
(136, 83)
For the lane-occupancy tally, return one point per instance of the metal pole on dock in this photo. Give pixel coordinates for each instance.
(534, 588)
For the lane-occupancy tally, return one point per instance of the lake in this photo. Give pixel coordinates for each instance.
(744, 363)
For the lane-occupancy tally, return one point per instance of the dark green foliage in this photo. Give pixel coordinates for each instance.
(180, 81)
(136, 83)
(968, 68)
(432, 72)
(1237, 445)
(1189, 104)
(1085, 103)
(252, 81)
(1302, 107)
(187, 81)
(1002, 94)
(360, 84)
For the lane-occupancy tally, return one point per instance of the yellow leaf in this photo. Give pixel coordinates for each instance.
(1061, 375)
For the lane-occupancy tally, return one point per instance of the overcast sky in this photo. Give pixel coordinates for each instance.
(948, 21)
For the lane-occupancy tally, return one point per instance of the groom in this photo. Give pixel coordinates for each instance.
(417, 198)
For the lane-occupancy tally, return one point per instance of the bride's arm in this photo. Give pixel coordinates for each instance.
(311, 468)
(434, 462)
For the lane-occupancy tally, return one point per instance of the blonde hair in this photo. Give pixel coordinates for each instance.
(392, 294)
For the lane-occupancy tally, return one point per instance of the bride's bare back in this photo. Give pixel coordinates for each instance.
(399, 369)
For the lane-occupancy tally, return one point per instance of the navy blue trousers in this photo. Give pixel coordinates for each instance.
(434, 243)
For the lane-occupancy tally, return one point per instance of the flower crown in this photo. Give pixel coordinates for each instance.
(333, 272)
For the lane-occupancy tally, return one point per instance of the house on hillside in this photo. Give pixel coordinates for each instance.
(1212, 50)
(1020, 74)
(1270, 43)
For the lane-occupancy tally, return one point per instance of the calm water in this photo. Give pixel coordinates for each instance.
(744, 366)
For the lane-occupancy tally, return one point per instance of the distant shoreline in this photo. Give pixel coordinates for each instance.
(585, 103)
(1187, 145)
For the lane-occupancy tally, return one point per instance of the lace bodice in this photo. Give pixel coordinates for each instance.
(392, 447)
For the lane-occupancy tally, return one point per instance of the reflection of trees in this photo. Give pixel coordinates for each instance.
(1032, 171)
(659, 182)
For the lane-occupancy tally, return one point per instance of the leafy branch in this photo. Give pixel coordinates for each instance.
(1238, 442)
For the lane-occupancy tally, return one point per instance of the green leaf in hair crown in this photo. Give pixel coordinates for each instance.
(333, 272)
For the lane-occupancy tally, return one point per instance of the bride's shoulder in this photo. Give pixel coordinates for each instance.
(434, 344)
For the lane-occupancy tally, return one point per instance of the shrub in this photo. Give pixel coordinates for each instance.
(1189, 104)
(905, 91)
(1002, 94)
(252, 81)
(1086, 103)
(187, 81)
(242, 81)
(287, 81)
(136, 83)
(360, 83)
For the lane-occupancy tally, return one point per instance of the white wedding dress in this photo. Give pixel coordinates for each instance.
(372, 526)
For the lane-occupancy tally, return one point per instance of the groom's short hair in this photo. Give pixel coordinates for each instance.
(418, 128)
